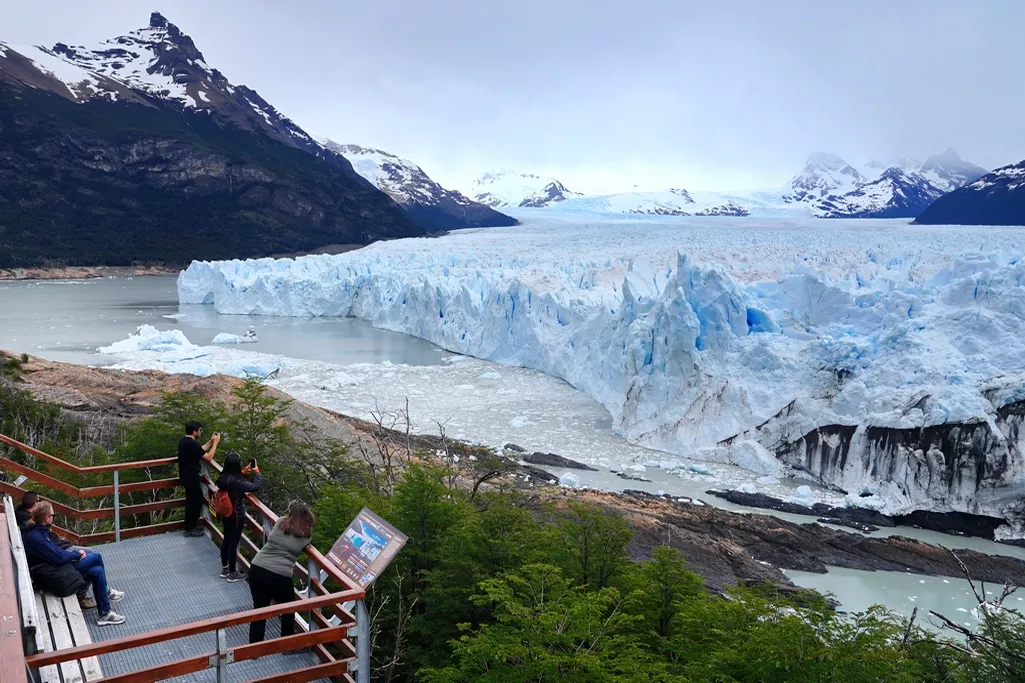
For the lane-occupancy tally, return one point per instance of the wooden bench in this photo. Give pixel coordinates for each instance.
(62, 625)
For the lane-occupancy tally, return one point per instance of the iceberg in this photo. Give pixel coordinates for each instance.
(149, 338)
(228, 338)
(862, 353)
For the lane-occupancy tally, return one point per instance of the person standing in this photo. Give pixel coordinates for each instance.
(190, 455)
(233, 480)
(270, 578)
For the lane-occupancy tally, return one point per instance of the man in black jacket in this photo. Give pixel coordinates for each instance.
(23, 513)
(190, 455)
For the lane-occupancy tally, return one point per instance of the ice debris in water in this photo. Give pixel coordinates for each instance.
(227, 338)
(149, 338)
(569, 480)
(803, 496)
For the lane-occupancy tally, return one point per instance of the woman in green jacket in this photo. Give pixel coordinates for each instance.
(270, 577)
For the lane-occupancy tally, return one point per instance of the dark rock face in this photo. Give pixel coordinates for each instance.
(727, 547)
(908, 195)
(958, 523)
(997, 198)
(553, 460)
(109, 183)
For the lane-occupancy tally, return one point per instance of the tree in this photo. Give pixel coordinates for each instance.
(546, 629)
(595, 541)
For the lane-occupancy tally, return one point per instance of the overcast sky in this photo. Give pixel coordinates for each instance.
(606, 94)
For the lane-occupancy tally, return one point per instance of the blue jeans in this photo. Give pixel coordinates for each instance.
(91, 569)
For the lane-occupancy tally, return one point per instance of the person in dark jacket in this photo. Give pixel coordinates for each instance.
(23, 514)
(270, 578)
(191, 455)
(233, 480)
(40, 549)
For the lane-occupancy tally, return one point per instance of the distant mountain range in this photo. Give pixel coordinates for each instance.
(827, 187)
(137, 150)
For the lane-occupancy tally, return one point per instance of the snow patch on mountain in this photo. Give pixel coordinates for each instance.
(823, 175)
(510, 189)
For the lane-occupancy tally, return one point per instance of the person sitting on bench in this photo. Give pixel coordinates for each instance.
(56, 570)
(23, 513)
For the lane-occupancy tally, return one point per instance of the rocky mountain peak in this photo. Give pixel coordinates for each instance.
(157, 20)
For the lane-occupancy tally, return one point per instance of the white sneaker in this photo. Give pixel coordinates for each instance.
(111, 618)
(115, 595)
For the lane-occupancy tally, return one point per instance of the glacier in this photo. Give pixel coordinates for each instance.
(877, 358)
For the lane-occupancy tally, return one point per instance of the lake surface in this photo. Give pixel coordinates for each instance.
(67, 320)
(353, 367)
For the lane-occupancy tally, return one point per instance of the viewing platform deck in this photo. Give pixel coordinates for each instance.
(183, 622)
(168, 580)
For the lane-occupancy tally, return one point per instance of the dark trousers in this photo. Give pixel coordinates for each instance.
(193, 502)
(266, 586)
(232, 536)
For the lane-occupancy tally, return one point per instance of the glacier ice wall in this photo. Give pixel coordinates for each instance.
(885, 346)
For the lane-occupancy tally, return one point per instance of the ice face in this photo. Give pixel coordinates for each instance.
(859, 325)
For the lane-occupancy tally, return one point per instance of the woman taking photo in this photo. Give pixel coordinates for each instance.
(270, 577)
(234, 482)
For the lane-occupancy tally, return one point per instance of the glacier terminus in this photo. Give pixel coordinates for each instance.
(882, 360)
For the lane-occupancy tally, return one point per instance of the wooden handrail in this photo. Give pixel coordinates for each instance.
(190, 629)
(318, 558)
(240, 653)
(98, 513)
(91, 469)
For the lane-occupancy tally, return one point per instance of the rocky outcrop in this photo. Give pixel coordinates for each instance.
(554, 460)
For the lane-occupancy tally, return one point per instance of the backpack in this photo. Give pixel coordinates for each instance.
(222, 504)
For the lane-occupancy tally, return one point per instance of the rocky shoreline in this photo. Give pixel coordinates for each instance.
(724, 547)
(84, 272)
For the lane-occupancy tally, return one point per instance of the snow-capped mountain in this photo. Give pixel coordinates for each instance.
(997, 198)
(897, 193)
(823, 175)
(157, 62)
(137, 149)
(947, 171)
(428, 202)
(903, 190)
(510, 189)
(671, 202)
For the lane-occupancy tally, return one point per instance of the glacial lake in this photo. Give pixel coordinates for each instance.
(68, 320)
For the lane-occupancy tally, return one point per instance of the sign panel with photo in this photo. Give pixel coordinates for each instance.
(366, 548)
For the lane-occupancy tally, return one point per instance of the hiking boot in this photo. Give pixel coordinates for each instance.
(236, 576)
(111, 618)
(224, 572)
(194, 533)
(115, 595)
(86, 601)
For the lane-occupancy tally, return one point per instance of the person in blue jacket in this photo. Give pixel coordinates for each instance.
(40, 549)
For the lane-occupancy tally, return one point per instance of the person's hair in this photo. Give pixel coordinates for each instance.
(29, 499)
(192, 426)
(299, 521)
(40, 512)
(232, 464)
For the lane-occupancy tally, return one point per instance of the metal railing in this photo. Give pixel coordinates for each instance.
(321, 631)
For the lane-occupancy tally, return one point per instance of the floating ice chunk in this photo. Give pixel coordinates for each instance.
(519, 422)
(699, 469)
(803, 496)
(747, 487)
(569, 480)
(228, 338)
(754, 457)
(490, 375)
(149, 338)
(872, 502)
